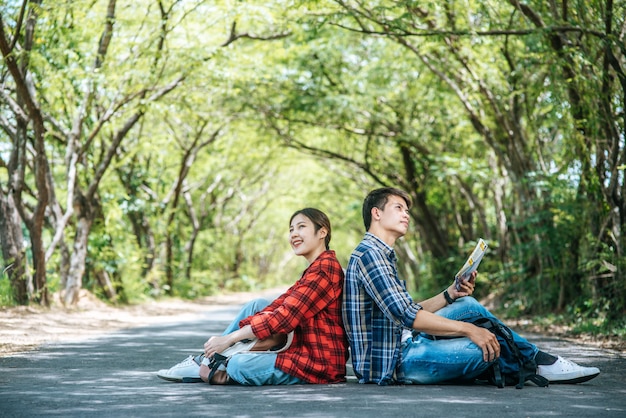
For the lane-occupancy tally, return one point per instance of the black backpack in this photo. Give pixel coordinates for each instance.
(512, 357)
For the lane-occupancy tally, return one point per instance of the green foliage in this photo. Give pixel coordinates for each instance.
(498, 128)
(6, 291)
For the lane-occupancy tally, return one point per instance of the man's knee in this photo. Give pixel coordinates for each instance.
(468, 300)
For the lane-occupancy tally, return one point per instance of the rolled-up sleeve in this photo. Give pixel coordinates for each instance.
(305, 299)
(380, 282)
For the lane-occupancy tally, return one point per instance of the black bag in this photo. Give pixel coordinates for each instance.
(519, 368)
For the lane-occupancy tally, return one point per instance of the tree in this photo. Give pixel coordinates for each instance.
(108, 90)
(27, 111)
(504, 77)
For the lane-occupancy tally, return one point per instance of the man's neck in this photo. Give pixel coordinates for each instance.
(387, 237)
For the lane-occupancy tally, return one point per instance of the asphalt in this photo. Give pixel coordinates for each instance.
(114, 376)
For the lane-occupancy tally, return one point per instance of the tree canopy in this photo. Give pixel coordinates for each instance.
(152, 148)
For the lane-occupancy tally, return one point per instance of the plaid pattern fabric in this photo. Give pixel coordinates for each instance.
(312, 309)
(376, 309)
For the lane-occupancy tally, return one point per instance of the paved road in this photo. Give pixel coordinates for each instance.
(114, 376)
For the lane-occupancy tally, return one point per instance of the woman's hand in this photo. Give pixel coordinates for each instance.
(216, 345)
(221, 343)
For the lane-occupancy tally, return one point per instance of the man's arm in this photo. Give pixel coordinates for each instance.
(435, 303)
(439, 301)
(433, 324)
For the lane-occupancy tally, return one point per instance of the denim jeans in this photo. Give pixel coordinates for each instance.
(255, 369)
(427, 361)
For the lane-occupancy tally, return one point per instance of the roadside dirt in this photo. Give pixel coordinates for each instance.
(608, 342)
(25, 328)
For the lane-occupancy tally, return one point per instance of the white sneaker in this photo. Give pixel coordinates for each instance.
(187, 371)
(566, 371)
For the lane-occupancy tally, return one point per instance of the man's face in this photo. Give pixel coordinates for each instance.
(395, 216)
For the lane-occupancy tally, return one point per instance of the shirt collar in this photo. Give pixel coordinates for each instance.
(382, 245)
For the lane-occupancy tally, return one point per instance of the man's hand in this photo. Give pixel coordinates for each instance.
(433, 324)
(467, 287)
(486, 341)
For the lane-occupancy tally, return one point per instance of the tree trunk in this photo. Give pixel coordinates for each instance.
(499, 197)
(17, 65)
(13, 254)
(74, 280)
(105, 282)
(169, 259)
(433, 235)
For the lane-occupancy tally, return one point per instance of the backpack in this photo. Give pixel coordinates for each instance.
(512, 368)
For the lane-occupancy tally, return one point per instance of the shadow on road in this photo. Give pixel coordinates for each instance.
(115, 376)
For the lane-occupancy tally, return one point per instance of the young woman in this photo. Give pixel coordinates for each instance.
(309, 312)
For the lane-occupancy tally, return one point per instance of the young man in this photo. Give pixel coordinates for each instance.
(380, 316)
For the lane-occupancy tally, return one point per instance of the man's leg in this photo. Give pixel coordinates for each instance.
(467, 309)
(428, 361)
(253, 369)
(555, 369)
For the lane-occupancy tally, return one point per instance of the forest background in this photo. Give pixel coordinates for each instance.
(158, 148)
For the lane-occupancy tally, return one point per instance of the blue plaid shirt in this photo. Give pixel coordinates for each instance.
(376, 309)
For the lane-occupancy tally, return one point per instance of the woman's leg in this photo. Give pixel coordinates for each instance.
(250, 308)
(253, 369)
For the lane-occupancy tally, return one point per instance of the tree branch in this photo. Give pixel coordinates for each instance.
(235, 36)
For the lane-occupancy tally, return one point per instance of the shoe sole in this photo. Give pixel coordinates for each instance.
(180, 379)
(574, 381)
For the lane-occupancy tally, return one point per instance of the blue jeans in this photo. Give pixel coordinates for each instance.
(428, 361)
(255, 369)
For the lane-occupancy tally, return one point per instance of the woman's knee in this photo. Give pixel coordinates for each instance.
(256, 305)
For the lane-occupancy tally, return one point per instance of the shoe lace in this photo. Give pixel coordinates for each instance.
(565, 364)
(187, 362)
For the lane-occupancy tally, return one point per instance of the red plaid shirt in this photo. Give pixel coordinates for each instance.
(312, 309)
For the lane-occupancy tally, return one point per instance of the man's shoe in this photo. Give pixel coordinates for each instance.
(565, 371)
(187, 371)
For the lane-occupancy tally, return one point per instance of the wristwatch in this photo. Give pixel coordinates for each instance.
(448, 297)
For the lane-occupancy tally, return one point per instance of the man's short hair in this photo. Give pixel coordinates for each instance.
(378, 199)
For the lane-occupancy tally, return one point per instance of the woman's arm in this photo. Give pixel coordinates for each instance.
(319, 286)
(221, 343)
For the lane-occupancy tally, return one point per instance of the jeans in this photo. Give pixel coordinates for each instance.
(428, 360)
(255, 369)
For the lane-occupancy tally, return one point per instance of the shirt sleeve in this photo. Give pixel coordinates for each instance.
(380, 281)
(305, 299)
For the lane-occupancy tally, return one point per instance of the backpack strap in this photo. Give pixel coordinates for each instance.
(527, 367)
(214, 364)
(497, 375)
